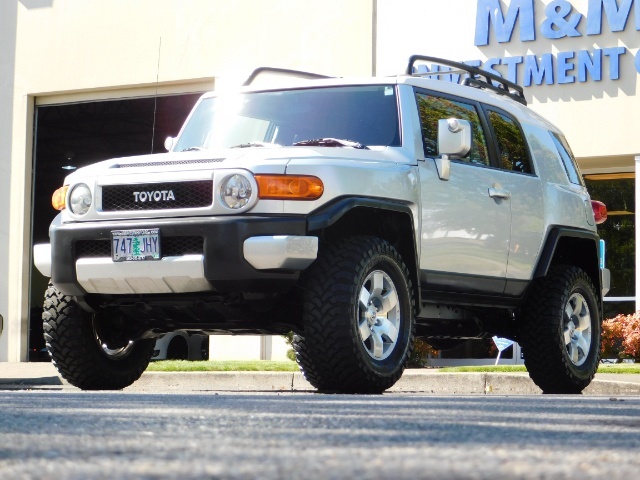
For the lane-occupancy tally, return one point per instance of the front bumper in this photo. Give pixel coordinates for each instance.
(239, 254)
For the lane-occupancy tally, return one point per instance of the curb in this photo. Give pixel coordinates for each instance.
(413, 381)
(430, 382)
(290, 382)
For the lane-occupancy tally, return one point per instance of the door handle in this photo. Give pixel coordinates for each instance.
(495, 192)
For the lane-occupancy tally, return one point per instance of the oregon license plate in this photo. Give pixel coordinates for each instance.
(135, 245)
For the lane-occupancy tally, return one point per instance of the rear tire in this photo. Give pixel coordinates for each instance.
(358, 317)
(560, 334)
(81, 356)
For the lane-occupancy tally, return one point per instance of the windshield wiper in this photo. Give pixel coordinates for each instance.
(256, 144)
(330, 142)
(192, 149)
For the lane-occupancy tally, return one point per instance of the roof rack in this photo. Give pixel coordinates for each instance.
(476, 77)
(281, 71)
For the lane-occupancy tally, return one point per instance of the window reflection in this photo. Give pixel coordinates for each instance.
(513, 150)
(432, 109)
(367, 114)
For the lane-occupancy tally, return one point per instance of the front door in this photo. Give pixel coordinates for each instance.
(466, 220)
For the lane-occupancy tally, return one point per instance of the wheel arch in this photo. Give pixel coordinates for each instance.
(568, 246)
(392, 221)
(178, 344)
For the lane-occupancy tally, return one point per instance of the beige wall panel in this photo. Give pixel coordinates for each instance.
(10, 334)
(228, 347)
(93, 44)
(56, 51)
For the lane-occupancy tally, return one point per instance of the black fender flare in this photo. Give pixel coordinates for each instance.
(554, 237)
(329, 214)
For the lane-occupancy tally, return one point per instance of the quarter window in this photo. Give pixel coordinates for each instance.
(568, 159)
(511, 145)
(432, 109)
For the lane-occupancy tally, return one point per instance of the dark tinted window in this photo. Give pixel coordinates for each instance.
(568, 159)
(511, 145)
(432, 109)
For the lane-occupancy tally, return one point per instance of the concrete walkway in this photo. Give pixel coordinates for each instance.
(428, 381)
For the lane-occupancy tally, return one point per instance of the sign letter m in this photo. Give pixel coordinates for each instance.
(489, 12)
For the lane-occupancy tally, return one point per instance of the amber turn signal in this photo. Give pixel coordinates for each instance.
(59, 198)
(289, 187)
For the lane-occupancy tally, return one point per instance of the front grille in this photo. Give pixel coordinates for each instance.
(169, 247)
(157, 196)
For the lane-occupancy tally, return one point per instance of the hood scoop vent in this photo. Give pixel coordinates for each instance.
(169, 162)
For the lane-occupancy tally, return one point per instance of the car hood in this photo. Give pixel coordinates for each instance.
(255, 159)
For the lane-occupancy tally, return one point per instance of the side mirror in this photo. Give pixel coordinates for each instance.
(169, 142)
(454, 140)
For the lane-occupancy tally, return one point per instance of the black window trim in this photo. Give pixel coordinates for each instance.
(496, 147)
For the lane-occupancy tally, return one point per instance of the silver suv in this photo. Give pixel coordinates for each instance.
(358, 213)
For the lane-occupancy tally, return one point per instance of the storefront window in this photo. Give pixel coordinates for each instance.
(618, 193)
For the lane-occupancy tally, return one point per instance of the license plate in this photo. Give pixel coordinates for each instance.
(135, 245)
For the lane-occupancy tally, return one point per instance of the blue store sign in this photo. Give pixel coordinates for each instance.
(561, 20)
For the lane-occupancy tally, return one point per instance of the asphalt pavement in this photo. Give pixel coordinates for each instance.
(43, 375)
(74, 435)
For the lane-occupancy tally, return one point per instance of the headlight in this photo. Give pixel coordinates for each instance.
(235, 191)
(80, 199)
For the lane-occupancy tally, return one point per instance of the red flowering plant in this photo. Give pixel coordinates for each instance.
(621, 337)
(421, 351)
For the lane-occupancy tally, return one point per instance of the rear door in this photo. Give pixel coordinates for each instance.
(525, 198)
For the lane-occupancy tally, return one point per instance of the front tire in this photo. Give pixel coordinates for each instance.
(79, 352)
(358, 317)
(561, 330)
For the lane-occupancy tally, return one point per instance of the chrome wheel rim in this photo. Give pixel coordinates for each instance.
(378, 315)
(577, 329)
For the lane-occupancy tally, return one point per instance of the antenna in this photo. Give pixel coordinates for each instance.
(155, 99)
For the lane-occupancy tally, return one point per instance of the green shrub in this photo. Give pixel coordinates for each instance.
(288, 337)
(421, 351)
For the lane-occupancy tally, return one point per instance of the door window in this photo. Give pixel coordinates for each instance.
(432, 109)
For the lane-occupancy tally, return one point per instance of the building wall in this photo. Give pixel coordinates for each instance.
(57, 51)
(596, 116)
(8, 28)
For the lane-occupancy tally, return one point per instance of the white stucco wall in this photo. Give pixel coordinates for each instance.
(8, 28)
(248, 347)
(67, 50)
(95, 44)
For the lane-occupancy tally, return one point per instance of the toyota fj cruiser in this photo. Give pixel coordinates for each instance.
(359, 214)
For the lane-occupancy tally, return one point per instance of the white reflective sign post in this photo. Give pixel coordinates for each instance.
(502, 344)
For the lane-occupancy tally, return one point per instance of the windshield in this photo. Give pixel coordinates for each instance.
(367, 115)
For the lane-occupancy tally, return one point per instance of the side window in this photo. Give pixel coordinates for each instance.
(432, 109)
(511, 145)
(568, 159)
